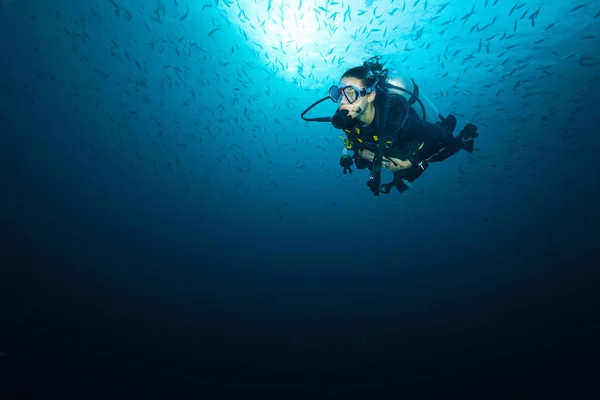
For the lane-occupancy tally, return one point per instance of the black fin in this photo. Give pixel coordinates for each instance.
(468, 145)
(467, 136)
(449, 123)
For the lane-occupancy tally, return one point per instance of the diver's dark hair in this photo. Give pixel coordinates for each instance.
(359, 73)
(369, 73)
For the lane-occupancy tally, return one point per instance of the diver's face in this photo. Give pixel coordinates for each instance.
(358, 106)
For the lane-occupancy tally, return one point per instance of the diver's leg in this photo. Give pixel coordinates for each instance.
(464, 141)
(426, 153)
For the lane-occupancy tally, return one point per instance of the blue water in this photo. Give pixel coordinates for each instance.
(173, 228)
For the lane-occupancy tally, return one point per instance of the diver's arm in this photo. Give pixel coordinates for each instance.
(394, 164)
(366, 154)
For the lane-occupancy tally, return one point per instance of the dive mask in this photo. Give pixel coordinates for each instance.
(350, 92)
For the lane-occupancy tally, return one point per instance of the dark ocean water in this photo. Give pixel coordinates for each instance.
(171, 228)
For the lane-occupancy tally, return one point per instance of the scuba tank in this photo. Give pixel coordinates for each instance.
(399, 81)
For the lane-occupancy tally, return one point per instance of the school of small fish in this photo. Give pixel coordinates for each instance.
(218, 85)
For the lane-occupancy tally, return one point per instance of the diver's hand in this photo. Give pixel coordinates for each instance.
(392, 163)
(346, 163)
(366, 154)
(395, 164)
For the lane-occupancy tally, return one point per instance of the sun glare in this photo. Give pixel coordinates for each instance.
(301, 27)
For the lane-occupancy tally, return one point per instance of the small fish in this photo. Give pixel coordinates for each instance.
(441, 7)
(347, 14)
(213, 31)
(524, 14)
(184, 16)
(515, 8)
(419, 34)
(583, 61)
(578, 7)
(102, 73)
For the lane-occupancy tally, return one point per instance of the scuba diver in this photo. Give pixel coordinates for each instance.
(378, 114)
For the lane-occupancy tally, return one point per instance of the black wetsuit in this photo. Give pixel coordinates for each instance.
(417, 140)
(405, 142)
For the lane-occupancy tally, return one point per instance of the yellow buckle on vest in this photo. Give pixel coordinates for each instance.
(347, 142)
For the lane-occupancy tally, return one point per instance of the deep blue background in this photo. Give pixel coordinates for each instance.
(269, 276)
